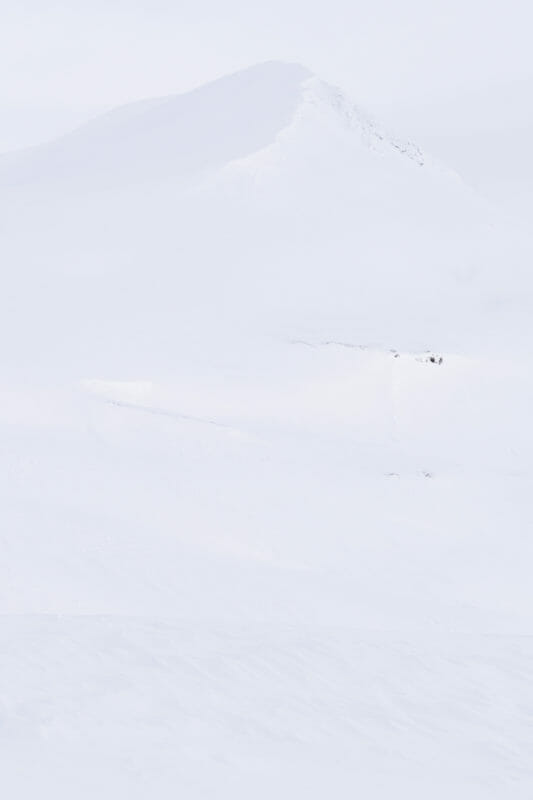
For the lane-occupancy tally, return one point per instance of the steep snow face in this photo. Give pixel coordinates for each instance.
(266, 458)
(169, 137)
(325, 97)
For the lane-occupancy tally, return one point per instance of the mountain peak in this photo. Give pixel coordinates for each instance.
(173, 136)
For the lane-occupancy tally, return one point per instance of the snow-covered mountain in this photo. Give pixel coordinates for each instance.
(266, 458)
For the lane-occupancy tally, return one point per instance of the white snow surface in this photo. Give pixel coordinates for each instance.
(266, 459)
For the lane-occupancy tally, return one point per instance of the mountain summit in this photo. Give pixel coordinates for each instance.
(183, 135)
(173, 136)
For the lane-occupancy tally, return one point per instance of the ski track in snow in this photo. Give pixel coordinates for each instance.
(162, 412)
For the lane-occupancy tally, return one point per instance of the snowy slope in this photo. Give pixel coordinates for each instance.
(266, 458)
(172, 136)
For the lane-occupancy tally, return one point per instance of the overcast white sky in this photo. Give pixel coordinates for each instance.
(443, 70)
(108, 51)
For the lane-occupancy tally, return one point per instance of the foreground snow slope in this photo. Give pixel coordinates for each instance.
(110, 707)
(266, 459)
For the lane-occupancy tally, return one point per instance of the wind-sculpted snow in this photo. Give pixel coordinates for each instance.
(170, 137)
(266, 459)
(143, 707)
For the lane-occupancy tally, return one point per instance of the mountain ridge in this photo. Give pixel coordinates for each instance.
(262, 101)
